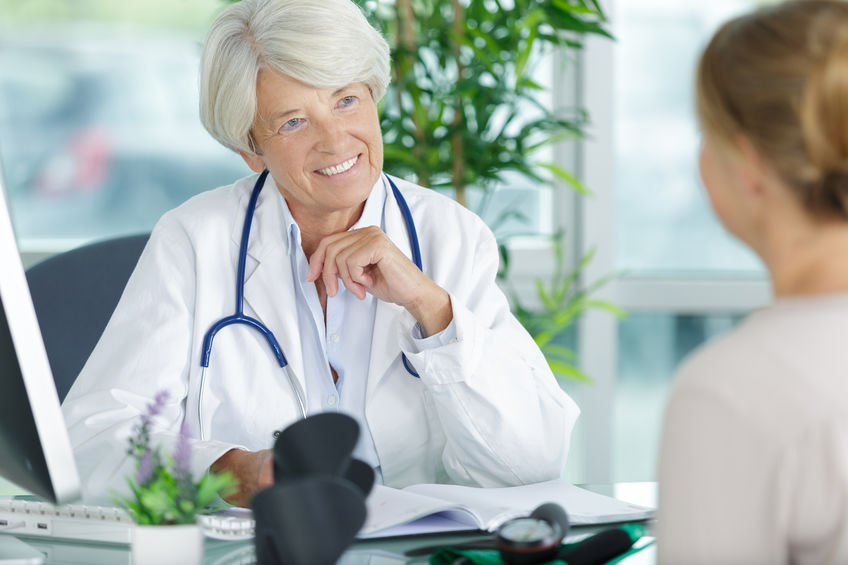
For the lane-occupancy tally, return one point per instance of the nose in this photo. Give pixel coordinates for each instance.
(329, 135)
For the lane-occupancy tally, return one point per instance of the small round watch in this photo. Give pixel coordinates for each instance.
(523, 541)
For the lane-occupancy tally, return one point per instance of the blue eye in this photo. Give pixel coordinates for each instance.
(347, 101)
(293, 123)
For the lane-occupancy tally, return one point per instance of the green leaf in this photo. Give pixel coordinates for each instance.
(212, 485)
(544, 296)
(531, 23)
(585, 10)
(609, 307)
(525, 82)
(560, 351)
(503, 251)
(567, 177)
(566, 370)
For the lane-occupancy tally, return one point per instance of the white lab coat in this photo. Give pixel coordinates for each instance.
(486, 411)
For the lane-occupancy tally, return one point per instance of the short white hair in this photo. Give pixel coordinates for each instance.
(322, 43)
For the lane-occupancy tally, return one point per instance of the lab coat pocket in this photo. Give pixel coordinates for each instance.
(400, 416)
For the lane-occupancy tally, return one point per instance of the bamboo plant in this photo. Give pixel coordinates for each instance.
(464, 108)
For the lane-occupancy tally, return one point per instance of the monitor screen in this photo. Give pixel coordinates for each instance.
(35, 452)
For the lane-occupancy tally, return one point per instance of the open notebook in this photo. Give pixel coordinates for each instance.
(417, 509)
(430, 508)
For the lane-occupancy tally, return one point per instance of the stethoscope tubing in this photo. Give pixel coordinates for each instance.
(240, 318)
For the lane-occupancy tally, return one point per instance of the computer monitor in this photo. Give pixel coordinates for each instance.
(35, 451)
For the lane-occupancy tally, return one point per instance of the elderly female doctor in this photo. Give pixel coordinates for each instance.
(444, 382)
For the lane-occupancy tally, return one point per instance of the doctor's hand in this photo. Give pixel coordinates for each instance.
(366, 260)
(254, 471)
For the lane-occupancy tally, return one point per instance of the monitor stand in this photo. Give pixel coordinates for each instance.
(15, 552)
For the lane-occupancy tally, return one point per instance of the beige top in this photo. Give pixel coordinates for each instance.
(754, 459)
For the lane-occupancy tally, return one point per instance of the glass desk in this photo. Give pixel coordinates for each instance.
(388, 551)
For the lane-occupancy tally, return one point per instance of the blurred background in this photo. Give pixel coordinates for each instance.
(99, 135)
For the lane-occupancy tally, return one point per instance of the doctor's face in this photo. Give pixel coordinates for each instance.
(322, 146)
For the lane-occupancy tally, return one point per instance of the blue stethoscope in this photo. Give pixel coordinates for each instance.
(239, 317)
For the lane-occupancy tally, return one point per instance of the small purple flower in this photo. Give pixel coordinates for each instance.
(158, 403)
(154, 408)
(145, 468)
(182, 457)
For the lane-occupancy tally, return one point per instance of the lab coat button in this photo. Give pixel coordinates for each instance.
(331, 400)
(334, 338)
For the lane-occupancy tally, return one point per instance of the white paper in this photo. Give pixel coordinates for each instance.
(487, 508)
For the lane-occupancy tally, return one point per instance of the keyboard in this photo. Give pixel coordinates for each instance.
(105, 524)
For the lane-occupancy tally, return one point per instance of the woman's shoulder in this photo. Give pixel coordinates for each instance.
(782, 341)
(768, 367)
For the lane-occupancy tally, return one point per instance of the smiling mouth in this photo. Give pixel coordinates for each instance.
(340, 168)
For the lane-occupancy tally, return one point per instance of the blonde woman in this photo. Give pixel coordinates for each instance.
(754, 462)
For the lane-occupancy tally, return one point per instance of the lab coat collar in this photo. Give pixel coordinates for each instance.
(276, 231)
(269, 282)
(262, 230)
(372, 215)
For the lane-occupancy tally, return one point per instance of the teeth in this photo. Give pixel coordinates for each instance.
(340, 168)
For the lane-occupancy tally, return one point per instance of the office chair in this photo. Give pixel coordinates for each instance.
(74, 294)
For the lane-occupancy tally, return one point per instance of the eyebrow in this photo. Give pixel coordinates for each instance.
(280, 115)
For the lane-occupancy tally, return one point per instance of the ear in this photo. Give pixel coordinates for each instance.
(255, 162)
(753, 169)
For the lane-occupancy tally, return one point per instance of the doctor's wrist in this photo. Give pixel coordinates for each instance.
(433, 311)
(252, 469)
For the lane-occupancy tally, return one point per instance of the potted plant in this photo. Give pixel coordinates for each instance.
(165, 499)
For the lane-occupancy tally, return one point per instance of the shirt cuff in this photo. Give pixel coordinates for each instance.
(421, 343)
(451, 355)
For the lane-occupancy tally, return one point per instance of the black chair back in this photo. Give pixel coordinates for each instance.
(74, 294)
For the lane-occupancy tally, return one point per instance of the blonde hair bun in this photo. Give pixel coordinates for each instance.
(779, 76)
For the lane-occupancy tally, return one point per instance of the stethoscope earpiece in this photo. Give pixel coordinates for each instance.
(534, 539)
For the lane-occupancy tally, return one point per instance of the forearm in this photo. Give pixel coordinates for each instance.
(433, 310)
(505, 419)
(252, 469)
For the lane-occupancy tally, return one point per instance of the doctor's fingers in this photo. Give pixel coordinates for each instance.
(359, 265)
(355, 259)
(338, 253)
(318, 259)
(374, 264)
(382, 270)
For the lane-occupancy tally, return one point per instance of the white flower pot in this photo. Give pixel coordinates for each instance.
(165, 545)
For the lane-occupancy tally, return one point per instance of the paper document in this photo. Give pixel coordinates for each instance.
(450, 508)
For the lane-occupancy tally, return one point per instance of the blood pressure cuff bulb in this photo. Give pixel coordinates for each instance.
(316, 506)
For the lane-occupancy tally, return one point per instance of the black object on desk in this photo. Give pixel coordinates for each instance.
(316, 506)
(534, 539)
(593, 550)
(599, 548)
